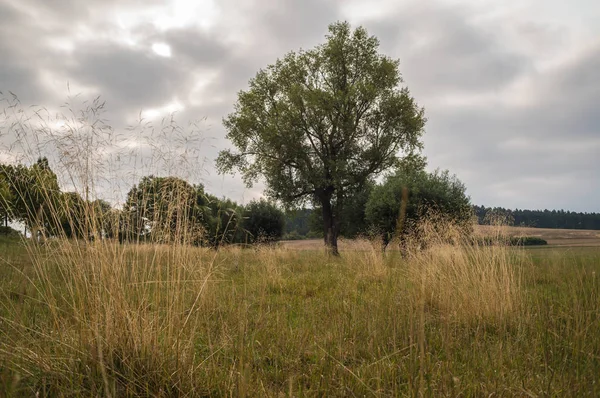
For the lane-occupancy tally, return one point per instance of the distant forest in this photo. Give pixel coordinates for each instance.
(539, 218)
(302, 224)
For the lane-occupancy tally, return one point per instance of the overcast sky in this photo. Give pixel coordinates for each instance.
(511, 89)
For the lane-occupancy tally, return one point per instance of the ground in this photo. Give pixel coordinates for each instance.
(155, 320)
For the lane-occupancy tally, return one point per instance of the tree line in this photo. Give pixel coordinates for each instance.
(157, 209)
(171, 210)
(392, 208)
(560, 219)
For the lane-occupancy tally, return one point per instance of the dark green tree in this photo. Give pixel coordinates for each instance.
(421, 193)
(297, 222)
(74, 216)
(164, 207)
(221, 219)
(36, 196)
(319, 124)
(351, 216)
(263, 221)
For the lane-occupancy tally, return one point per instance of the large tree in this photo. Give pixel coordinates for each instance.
(318, 124)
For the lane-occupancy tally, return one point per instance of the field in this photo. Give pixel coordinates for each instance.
(102, 319)
(554, 237)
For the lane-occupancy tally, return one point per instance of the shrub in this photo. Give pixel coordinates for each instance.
(405, 199)
(527, 241)
(510, 241)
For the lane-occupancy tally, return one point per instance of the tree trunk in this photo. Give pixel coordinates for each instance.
(329, 226)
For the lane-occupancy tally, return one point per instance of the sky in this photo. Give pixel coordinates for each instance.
(511, 89)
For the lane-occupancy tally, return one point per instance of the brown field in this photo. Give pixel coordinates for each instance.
(554, 237)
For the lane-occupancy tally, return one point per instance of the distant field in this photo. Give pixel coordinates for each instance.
(555, 237)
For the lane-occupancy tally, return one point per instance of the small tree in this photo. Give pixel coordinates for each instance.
(318, 124)
(162, 206)
(263, 221)
(417, 193)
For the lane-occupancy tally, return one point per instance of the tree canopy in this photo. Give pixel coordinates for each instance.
(318, 124)
(165, 205)
(417, 193)
(263, 221)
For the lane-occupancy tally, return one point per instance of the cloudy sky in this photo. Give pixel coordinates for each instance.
(511, 88)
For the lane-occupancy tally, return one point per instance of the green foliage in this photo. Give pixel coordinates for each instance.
(318, 124)
(437, 192)
(263, 221)
(293, 235)
(164, 206)
(220, 219)
(538, 218)
(297, 220)
(33, 196)
(6, 198)
(74, 215)
(351, 218)
(78, 218)
(529, 241)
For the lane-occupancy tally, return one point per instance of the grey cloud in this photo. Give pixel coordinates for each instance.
(270, 29)
(440, 50)
(18, 73)
(537, 154)
(528, 148)
(129, 77)
(201, 49)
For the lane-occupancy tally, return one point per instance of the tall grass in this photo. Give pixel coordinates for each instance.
(82, 317)
(465, 279)
(105, 319)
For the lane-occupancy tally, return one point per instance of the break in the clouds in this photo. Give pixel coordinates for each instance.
(511, 89)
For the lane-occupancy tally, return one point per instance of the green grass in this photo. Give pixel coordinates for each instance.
(149, 320)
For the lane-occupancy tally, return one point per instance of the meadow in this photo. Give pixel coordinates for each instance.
(108, 319)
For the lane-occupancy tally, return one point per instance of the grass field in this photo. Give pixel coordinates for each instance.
(103, 319)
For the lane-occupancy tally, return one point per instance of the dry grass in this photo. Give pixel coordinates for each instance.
(103, 319)
(555, 237)
(465, 281)
(80, 318)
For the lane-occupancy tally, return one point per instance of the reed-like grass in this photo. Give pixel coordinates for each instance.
(105, 319)
(442, 317)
